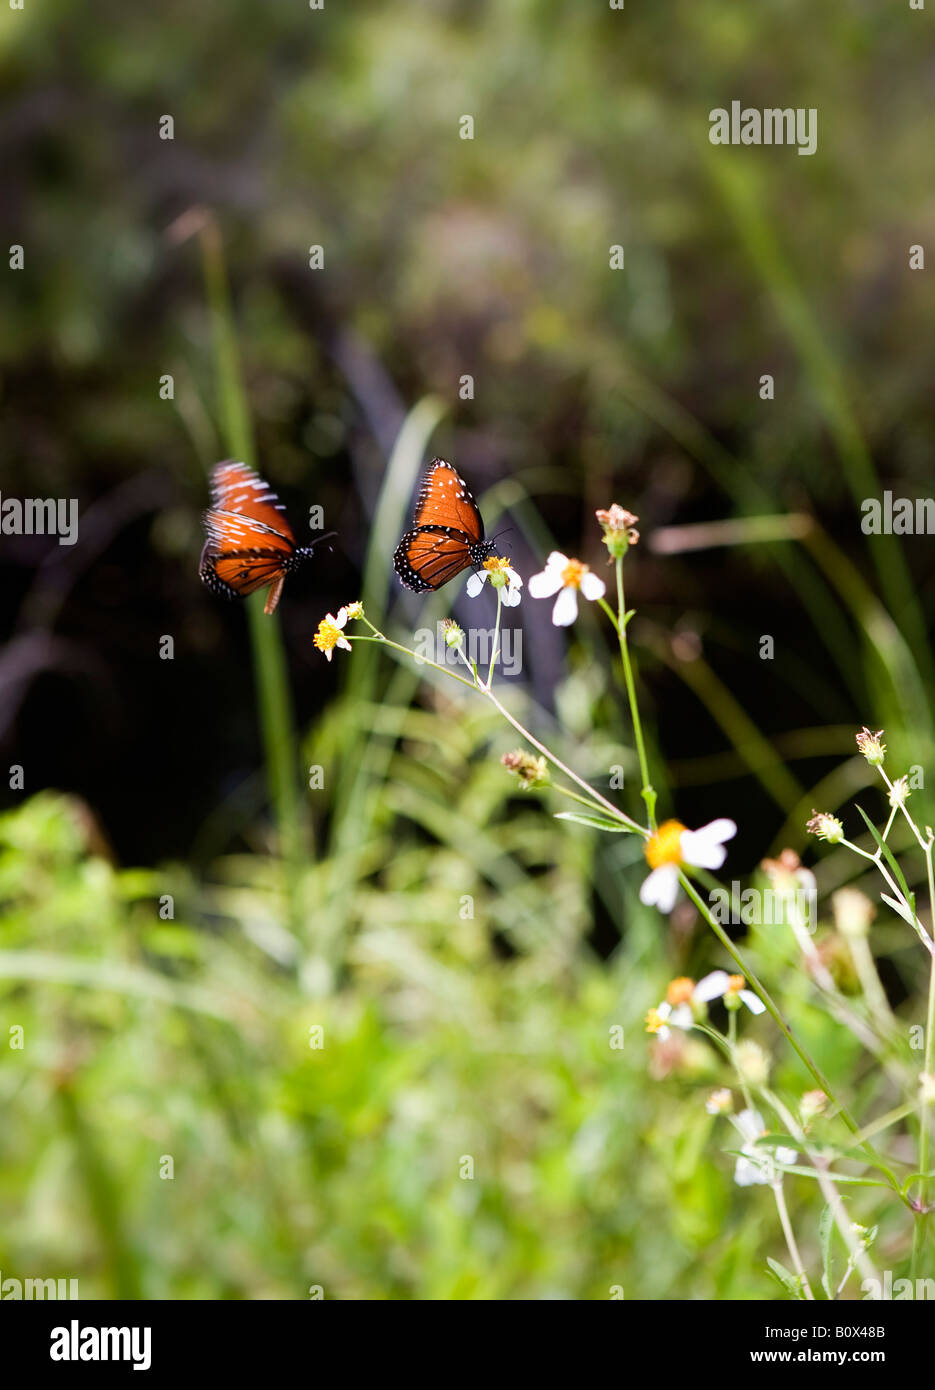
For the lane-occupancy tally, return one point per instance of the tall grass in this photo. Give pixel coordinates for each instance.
(269, 660)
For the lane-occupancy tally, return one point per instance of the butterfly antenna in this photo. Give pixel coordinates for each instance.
(307, 549)
(503, 532)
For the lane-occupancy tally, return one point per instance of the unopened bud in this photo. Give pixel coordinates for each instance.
(826, 827)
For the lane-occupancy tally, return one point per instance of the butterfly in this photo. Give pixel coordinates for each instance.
(447, 533)
(249, 541)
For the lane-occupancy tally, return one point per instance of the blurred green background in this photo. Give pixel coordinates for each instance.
(445, 1035)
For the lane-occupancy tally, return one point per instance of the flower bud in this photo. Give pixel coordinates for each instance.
(530, 771)
(899, 792)
(619, 527)
(853, 912)
(871, 746)
(812, 1104)
(826, 827)
(454, 636)
(752, 1063)
(720, 1102)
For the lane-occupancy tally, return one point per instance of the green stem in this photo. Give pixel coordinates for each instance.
(496, 640)
(423, 660)
(620, 620)
(767, 999)
(573, 796)
(918, 1235)
(269, 661)
(791, 1244)
(828, 1188)
(595, 796)
(557, 762)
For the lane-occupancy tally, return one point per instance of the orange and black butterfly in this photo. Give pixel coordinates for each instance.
(447, 533)
(249, 541)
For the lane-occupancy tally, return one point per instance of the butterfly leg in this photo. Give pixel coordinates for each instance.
(274, 595)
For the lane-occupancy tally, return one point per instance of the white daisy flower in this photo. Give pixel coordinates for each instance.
(673, 845)
(329, 634)
(685, 1001)
(565, 577)
(757, 1165)
(502, 576)
(719, 983)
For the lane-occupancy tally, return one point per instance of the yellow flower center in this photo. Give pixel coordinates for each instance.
(680, 991)
(494, 564)
(654, 1021)
(665, 846)
(354, 610)
(735, 983)
(573, 573)
(326, 638)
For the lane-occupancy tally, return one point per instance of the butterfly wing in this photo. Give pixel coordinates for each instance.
(445, 500)
(429, 556)
(237, 491)
(249, 540)
(447, 531)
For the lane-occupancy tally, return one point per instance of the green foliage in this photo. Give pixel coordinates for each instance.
(465, 950)
(336, 1165)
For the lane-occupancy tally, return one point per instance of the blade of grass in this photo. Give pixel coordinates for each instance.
(269, 661)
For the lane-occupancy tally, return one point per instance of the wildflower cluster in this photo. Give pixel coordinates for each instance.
(776, 1139)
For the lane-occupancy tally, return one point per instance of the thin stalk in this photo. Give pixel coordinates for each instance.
(573, 796)
(595, 796)
(424, 660)
(767, 999)
(918, 1235)
(791, 1241)
(557, 762)
(828, 1188)
(620, 621)
(269, 662)
(496, 640)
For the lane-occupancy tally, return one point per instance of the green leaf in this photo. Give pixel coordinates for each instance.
(914, 1178)
(595, 822)
(856, 1152)
(792, 1283)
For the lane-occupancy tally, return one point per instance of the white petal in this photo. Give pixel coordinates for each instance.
(747, 1173)
(515, 580)
(344, 644)
(719, 830)
(755, 1005)
(750, 1124)
(476, 583)
(682, 1017)
(511, 597)
(786, 1156)
(557, 561)
(664, 1010)
(546, 584)
(591, 586)
(566, 608)
(704, 848)
(660, 888)
(341, 619)
(711, 987)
